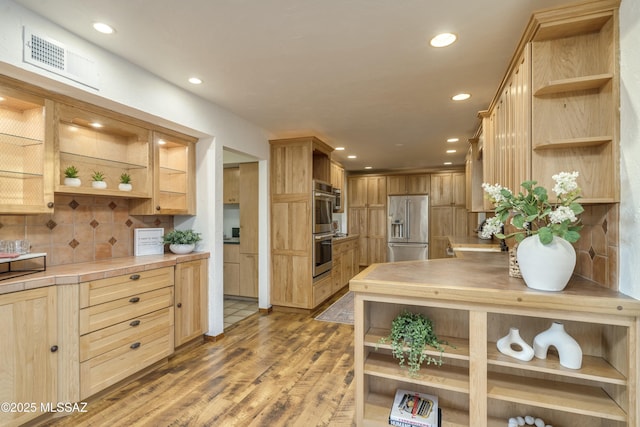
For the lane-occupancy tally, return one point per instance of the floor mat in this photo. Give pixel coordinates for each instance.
(340, 311)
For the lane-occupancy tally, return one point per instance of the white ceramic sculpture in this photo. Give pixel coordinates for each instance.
(568, 348)
(505, 346)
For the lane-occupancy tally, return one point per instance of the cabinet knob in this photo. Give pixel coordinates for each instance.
(50, 205)
(158, 207)
(134, 300)
(179, 305)
(134, 277)
(134, 323)
(134, 345)
(54, 348)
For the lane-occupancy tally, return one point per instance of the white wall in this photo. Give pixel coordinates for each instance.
(126, 88)
(630, 148)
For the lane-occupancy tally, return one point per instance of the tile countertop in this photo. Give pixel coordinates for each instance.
(231, 241)
(82, 272)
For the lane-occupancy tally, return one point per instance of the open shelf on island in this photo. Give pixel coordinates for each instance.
(572, 398)
(454, 348)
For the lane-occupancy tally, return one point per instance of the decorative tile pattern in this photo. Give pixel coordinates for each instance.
(51, 224)
(113, 205)
(157, 222)
(74, 243)
(592, 253)
(112, 241)
(94, 223)
(73, 204)
(129, 223)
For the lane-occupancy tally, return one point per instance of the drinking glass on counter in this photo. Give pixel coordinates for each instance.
(15, 246)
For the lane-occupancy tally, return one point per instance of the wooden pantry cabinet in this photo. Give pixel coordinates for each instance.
(479, 386)
(367, 216)
(29, 352)
(557, 109)
(448, 214)
(26, 164)
(295, 163)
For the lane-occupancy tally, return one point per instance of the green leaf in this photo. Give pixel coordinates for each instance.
(545, 235)
(572, 236)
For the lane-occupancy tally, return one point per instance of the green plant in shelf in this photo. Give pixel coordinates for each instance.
(410, 334)
(97, 176)
(125, 178)
(71, 172)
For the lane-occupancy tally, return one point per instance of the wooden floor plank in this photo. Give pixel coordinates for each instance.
(277, 369)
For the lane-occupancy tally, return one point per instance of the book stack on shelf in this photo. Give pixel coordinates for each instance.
(413, 409)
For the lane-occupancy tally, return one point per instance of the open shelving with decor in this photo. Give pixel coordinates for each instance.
(25, 166)
(94, 142)
(478, 385)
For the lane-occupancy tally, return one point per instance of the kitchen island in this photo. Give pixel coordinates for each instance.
(473, 302)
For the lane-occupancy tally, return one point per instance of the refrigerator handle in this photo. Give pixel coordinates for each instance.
(407, 218)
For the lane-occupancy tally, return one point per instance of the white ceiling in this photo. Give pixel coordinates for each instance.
(356, 73)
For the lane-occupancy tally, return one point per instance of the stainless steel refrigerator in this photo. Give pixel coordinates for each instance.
(408, 228)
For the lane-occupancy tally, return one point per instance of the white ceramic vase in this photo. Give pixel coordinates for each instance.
(546, 267)
(125, 187)
(72, 182)
(507, 343)
(99, 184)
(568, 348)
(182, 249)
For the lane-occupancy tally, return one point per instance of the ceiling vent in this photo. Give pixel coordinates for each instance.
(53, 56)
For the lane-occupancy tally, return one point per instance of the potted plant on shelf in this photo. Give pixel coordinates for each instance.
(544, 229)
(125, 182)
(71, 177)
(411, 333)
(182, 241)
(98, 180)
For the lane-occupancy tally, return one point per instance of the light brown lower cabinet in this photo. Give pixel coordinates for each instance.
(345, 262)
(191, 301)
(28, 353)
(126, 324)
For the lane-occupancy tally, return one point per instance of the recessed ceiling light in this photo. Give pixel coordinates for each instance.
(339, 148)
(453, 140)
(399, 144)
(451, 151)
(368, 167)
(447, 163)
(1, 99)
(443, 40)
(351, 157)
(461, 97)
(161, 142)
(96, 124)
(103, 28)
(195, 80)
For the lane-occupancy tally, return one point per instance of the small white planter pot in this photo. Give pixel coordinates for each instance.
(182, 249)
(546, 267)
(125, 187)
(101, 185)
(72, 182)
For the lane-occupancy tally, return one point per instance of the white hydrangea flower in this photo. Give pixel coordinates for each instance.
(561, 214)
(565, 182)
(494, 191)
(492, 226)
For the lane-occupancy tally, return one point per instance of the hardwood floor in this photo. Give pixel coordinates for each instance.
(280, 369)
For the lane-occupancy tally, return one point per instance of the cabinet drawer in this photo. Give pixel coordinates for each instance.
(124, 333)
(108, 314)
(322, 290)
(231, 253)
(108, 368)
(105, 290)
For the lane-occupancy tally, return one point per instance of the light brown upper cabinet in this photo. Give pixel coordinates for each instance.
(448, 213)
(174, 185)
(558, 107)
(408, 184)
(26, 163)
(231, 184)
(367, 216)
(93, 141)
